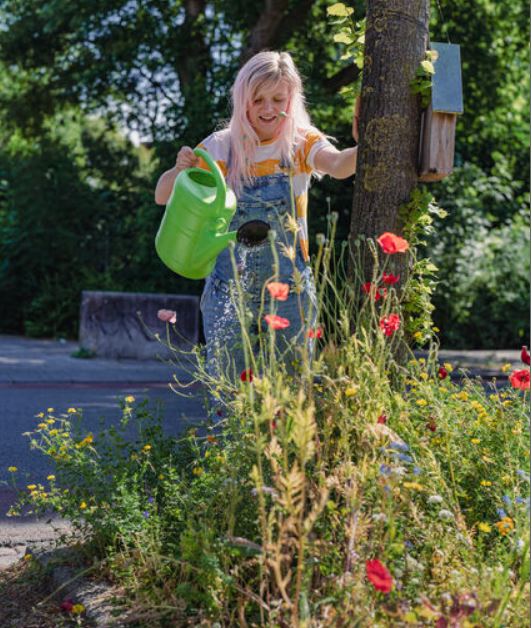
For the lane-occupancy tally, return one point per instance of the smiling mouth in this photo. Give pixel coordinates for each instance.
(272, 119)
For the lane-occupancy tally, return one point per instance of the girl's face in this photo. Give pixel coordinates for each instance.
(265, 108)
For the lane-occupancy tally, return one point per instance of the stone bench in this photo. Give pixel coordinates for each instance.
(125, 324)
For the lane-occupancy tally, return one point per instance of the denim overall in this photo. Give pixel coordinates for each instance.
(267, 199)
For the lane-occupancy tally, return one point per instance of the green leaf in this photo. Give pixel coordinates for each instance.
(343, 38)
(339, 9)
(427, 66)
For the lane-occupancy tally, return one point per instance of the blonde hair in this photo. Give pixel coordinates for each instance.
(264, 69)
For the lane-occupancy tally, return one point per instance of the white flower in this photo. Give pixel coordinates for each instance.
(412, 564)
(266, 490)
(435, 499)
(519, 545)
(379, 516)
(445, 514)
(400, 471)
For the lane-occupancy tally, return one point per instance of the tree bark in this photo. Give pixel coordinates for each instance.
(389, 125)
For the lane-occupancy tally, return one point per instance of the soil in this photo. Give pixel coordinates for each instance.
(26, 601)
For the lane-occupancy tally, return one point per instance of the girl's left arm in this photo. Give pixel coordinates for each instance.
(339, 164)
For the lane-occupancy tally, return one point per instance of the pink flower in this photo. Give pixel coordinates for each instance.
(246, 375)
(168, 316)
(315, 333)
(390, 243)
(278, 290)
(390, 324)
(277, 322)
(389, 278)
(379, 576)
(525, 356)
(520, 379)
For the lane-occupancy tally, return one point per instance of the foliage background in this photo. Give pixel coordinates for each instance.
(76, 195)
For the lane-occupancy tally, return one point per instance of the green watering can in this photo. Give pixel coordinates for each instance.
(193, 231)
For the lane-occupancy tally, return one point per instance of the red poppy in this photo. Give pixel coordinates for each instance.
(390, 324)
(277, 322)
(278, 290)
(382, 419)
(390, 279)
(525, 356)
(379, 576)
(246, 375)
(315, 333)
(274, 424)
(442, 372)
(520, 379)
(390, 243)
(67, 605)
(372, 288)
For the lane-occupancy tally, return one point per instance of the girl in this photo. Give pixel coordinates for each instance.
(267, 153)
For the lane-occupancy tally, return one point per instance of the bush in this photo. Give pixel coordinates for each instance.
(359, 487)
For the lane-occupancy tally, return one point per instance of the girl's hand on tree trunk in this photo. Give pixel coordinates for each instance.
(356, 115)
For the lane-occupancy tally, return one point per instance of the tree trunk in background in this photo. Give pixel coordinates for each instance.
(390, 115)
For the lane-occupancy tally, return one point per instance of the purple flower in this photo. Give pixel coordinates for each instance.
(501, 513)
(385, 469)
(405, 458)
(520, 500)
(506, 500)
(145, 514)
(399, 446)
(416, 471)
(150, 500)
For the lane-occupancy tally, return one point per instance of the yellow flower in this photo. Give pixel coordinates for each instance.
(418, 335)
(448, 367)
(462, 395)
(53, 432)
(505, 525)
(129, 399)
(50, 410)
(351, 391)
(77, 609)
(475, 441)
(421, 361)
(51, 478)
(50, 421)
(83, 505)
(146, 448)
(507, 403)
(27, 557)
(31, 487)
(161, 476)
(42, 426)
(484, 527)
(421, 402)
(207, 454)
(485, 483)
(506, 367)
(40, 415)
(424, 376)
(413, 485)
(72, 411)
(443, 390)
(12, 469)
(494, 397)
(197, 470)
(506, 479)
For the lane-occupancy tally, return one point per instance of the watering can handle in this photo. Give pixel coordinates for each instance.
(219, 201)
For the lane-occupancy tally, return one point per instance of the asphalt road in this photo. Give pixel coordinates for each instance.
(39, 374)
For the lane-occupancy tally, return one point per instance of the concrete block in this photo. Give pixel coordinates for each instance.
(125, 324)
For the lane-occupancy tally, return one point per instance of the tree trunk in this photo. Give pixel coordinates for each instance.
(396, 40)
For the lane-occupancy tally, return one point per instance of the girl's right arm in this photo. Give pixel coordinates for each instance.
(185, 159)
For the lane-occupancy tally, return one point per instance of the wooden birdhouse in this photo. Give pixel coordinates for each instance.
(438, 124)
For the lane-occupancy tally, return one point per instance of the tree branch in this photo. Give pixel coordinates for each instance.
(262, 35)
(345, 76)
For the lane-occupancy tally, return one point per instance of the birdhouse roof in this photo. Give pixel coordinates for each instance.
(447, 79)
